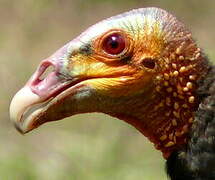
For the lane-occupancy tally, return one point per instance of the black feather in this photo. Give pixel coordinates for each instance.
(196, 161)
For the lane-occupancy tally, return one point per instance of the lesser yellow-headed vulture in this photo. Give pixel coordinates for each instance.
(143, 67)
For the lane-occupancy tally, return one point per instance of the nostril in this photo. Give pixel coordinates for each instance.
(46, 71)
(47, 79)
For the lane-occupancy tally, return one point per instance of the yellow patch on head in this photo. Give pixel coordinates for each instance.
(120, 86)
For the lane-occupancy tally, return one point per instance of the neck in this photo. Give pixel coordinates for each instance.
(166, 114)
(197, 159)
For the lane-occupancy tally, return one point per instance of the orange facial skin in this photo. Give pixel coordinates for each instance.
(142, 67)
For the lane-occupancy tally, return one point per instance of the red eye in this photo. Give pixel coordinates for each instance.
(114, 44)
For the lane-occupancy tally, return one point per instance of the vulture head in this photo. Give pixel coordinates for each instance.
(142, 66)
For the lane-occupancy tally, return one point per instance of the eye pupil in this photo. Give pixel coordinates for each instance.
(114, 44)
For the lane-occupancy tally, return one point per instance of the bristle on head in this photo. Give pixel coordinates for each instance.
(183, 64)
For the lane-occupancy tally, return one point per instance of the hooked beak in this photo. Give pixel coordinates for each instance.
(19, 105)
(33, 99)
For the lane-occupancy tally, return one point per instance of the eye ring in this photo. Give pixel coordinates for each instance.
(114, 44)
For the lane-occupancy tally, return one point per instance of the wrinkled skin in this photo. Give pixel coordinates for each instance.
(84, 75)
(141, 66)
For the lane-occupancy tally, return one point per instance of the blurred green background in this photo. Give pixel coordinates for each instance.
(84, 147)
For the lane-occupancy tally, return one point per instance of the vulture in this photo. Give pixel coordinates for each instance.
(142, 67)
